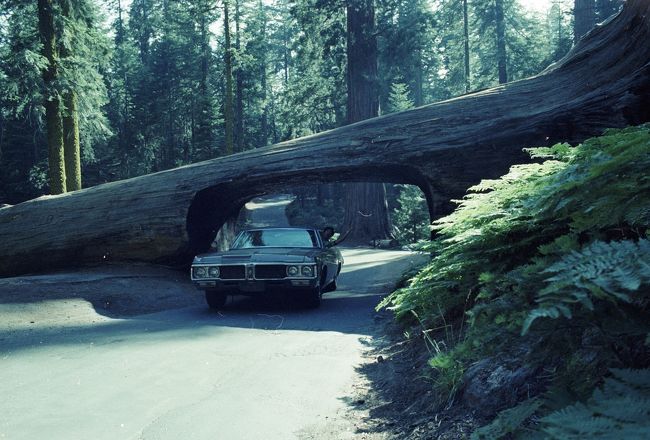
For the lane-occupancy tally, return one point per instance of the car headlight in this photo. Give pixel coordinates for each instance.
(213, 272)
(200, 272)
(307, 271)
(292, 271)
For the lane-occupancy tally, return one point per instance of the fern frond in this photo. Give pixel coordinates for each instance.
(620, 410)
(606, 271)
(508, 421)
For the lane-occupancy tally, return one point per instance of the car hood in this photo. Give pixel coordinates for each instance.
(259, 255)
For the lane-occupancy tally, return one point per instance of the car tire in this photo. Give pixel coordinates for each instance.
(215, 300)
(313, 297)
(331, 287)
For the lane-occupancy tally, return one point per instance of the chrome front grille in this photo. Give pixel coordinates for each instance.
(234, 272)
(270, 271)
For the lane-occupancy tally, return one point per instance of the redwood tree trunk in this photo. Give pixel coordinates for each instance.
(366, 211)
(466, 45)
(239, 88)
(54, 123)
(502, 59)
(71, 145)
(363, 96)
(228, 111)
(71, 142)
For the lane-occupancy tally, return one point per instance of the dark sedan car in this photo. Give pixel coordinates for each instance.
(260, 260)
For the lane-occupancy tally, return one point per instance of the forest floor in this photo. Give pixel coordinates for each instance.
(395, 396)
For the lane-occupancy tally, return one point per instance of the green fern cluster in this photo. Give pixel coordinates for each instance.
(565, 238)
(601, 270)
(508, 421)
(600, 190)
(620, 410)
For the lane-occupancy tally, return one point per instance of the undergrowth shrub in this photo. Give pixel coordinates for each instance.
(553, 257)
(620, 410)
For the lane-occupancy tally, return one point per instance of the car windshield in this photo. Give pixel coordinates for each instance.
(303, 238)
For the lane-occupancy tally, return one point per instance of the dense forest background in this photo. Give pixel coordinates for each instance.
(147, 85)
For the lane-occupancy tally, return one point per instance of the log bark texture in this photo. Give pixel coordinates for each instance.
(443, 148)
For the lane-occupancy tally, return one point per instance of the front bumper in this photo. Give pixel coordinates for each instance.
(251, 278)
(255, 286)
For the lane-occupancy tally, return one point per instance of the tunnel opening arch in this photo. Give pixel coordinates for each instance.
(214, 209)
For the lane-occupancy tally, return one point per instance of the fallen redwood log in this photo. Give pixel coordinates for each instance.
(443, 148)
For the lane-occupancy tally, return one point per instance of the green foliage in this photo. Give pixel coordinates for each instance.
(398, 99)
(620, 410)
(564, 239)
(531, 216)
(508, 421)
(450, 372)
(601, 270)
(411, 217)
(150, 79)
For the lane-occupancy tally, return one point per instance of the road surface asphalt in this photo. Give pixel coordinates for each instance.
(79, 361)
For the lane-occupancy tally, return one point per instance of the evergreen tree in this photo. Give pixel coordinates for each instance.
(228, 110)
(404, 36)
(21, 104)
(253, 66)
(510, 43)
(500, 24)
(466, 46)
(204, 119)
(412, 215)
(399, 99)
(558, 29)
(239, 82)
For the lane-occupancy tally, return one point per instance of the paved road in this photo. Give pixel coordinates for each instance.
(257, 370)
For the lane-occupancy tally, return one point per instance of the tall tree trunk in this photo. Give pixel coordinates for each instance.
(71, 142)
(285, 54)
(366, 210)
(466, 45)
(145, 31)
(264, 128)
(123, 144)
(72, 148)
(501, 42)
(203, 145)
(239, 88)
(54, 124)
(228, 112)
(418, 79)
(168, 150)
(584, 17)
(363, 97)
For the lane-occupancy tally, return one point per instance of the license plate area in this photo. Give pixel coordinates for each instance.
(252, 286)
